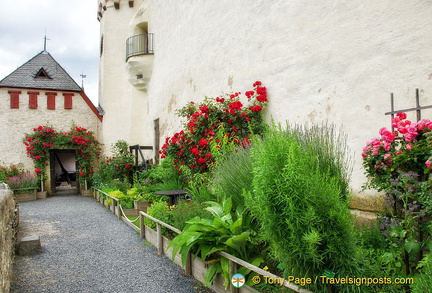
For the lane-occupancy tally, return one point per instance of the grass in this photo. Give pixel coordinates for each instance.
(136, 223)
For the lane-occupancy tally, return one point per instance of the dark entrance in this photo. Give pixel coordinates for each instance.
(63, 171)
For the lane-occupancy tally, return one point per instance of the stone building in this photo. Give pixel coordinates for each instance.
(41, 92)
(337, 62)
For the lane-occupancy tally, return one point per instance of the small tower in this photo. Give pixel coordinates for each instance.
(125, 68)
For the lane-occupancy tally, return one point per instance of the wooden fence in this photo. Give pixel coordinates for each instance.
(194, 266)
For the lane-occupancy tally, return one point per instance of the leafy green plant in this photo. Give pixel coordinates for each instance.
(232, 176)
(200, 192)
(225, 231)
(299, 206)
(158, 210)
(185, 210)
(118, 167)
(423, 280)
(328, 145)
(9, 171)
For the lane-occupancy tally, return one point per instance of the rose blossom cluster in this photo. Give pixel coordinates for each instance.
(406, 136)
(235, 118)
(78, 138)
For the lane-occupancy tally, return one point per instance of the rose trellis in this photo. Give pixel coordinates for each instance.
(43, 139)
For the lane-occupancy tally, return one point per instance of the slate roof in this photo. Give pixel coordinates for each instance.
(25, 75)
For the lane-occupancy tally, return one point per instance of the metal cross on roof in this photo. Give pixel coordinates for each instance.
(45, 40)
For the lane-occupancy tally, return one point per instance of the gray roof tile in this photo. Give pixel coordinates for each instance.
(25, 75)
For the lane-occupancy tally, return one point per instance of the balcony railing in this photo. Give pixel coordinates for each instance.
(139, 45)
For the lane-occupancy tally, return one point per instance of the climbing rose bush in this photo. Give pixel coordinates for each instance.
(213, 124)
(43, 138)
(399, 163)
(406, 149)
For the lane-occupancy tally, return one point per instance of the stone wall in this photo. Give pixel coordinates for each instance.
(8, 233)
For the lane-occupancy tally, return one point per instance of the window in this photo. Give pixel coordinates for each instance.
(33, 101)
(42, 74)
(68, 100)
(51, 99)
(14, 99)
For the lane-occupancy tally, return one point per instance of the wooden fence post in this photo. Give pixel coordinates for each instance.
(188, 266)
(142, 226)
(159, 238)
(119, 215)
(233, 271)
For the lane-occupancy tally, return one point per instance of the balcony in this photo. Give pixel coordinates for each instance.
(139, 45)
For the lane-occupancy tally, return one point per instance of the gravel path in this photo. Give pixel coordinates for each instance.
(85, 248)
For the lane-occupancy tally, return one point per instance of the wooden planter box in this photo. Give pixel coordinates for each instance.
(41, 194)
(130, 212)
(198, 265)
(86, 193)
(142, 205)
(26, 194)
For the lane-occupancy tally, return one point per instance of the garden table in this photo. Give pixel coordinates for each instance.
(174, 195)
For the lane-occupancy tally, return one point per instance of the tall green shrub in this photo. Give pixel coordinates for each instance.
(328, 146)
(305, 221)
(232, 175)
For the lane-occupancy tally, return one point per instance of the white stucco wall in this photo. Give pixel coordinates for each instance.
(320, 61)
(125, 106)
(15, 123)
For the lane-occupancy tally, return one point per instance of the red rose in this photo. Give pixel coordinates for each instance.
(203, 142)
(236, 105)
(262, 98)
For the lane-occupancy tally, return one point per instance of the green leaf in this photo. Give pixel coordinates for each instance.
(412, 246)
(236, 226)
(211, 273)
(227, 206)
(225, 271)
(215, 209)
(238, 241)
(207, 250)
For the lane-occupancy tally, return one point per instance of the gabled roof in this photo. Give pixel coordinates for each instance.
(41, 72)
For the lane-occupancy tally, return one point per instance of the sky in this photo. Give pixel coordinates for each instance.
(71, 27)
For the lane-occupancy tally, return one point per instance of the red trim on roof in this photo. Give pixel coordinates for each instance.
(90, 104)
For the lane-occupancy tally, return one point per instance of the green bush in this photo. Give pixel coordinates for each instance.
(233, 176)
(298, 204)
(180, 213)
(118, 168)
(9, 171)
(158, 210)
(423, 281)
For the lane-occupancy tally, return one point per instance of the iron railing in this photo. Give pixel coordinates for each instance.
(139, 45)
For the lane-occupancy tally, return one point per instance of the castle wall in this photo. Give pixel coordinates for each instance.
(320, 61)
